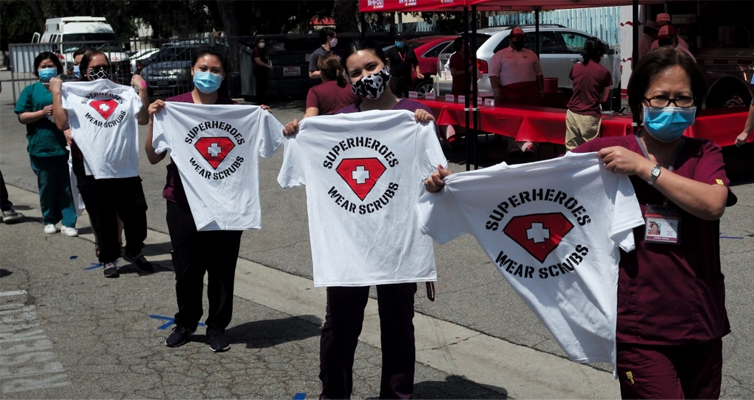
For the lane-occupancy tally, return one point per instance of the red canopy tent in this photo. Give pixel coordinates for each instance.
(498, 5)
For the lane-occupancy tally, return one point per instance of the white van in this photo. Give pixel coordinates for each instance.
(67, 34)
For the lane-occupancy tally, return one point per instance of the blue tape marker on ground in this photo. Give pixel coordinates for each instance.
(731, 237)
(169, 323)
(299, 396)
(93, 266)
(74, 257)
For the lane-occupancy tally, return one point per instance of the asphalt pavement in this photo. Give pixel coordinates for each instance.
(97, 339)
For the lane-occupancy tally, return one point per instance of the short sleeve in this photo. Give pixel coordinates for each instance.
(135, 102)
(270, 135)
(439, 217)
(313, 61)
(495, 64)
(312, 100)
(626, 212)
(293, 171)
(429, 151)
(537, 67)
(66, 101)
(412, 58)
(456, 62)
(710, 169)
(570, 74)
(608, 79)
(24, 103)
(159, 137)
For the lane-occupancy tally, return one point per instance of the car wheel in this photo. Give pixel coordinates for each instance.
(424, 86)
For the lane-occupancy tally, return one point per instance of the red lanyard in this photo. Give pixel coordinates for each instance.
(403, 57)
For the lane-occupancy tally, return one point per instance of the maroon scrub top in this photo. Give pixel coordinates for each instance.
(673, 294)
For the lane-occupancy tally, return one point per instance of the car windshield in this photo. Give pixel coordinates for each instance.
(100, 41)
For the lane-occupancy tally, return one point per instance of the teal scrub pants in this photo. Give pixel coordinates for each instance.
(54, 183)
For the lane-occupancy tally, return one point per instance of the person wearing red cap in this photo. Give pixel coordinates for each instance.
(647, 38)
(663, 19)
(516, 78)
(668, 37)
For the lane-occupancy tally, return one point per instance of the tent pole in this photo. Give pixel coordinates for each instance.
(536, 28)
(474, 109)
(635, 55)
(467, 75)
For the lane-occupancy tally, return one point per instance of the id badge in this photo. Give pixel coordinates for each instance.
(663, 224)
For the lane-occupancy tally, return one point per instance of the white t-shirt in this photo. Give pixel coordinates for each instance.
(364, 173)
(553, 229)
(512, 66)
(103, 116)
(216, 149)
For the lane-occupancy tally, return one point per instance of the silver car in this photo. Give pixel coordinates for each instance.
(560, 48)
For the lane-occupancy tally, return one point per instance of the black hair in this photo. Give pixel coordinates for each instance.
(593, 50)
(222, 56)
(357, 46)
(81, 51)
(46, 55)
(655, 62)
(457, 42)
(324, 33)
(84, 64)
(330, 68)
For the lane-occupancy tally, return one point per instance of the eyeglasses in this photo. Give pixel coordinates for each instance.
(664, 101)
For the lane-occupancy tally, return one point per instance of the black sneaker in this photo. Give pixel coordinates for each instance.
(179, 337)
(110, 270)
(139, 262)
(218, 343)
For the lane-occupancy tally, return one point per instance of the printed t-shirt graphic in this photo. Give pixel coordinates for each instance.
(216, 149)
(364, 173)
(554, 230)
(102, 115)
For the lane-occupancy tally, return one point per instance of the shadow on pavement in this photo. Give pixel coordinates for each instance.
(457, 387)
(268, 333)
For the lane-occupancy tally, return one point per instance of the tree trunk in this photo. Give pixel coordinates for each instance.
(345, 15)
(229, 17)
(36, 11)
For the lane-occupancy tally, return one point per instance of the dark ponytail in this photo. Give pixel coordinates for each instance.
(593, 50)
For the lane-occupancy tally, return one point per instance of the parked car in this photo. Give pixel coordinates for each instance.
(427, 50)
(169, 72)
(560, 49)
(138, 57)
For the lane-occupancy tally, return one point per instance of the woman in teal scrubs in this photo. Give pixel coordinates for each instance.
(47, 148)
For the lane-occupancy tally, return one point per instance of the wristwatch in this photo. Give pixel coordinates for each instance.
(654, 174)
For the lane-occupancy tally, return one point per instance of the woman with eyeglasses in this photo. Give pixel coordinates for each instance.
(47, 152)
(103, 117)
(671, 293)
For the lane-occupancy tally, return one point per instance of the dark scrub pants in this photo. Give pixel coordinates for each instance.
(55, 200)
(124, 198)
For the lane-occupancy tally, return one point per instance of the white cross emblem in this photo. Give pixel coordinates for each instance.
(537, 233)
(360, 175)
(214, 150)
(104, 107)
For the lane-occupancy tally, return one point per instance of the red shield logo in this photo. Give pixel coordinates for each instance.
(214, 149)
(538, 234)
(105, 108)
(360, 174)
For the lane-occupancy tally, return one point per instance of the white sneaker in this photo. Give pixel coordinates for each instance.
(70, 232)
(50, 229)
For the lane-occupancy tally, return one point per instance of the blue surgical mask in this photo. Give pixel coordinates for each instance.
(399, 44)
(77, 71)
(207, 82)
(45, 74)
(668, 124)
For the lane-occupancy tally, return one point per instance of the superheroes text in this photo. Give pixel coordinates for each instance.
(568, 265)
(214, 125)
(359, 142)
(363, 208)
(551, 195)
(97, 94)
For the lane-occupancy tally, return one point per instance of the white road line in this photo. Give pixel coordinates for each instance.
(13, 293)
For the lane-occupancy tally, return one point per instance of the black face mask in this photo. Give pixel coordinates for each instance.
(665, 42)
(517, 44)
